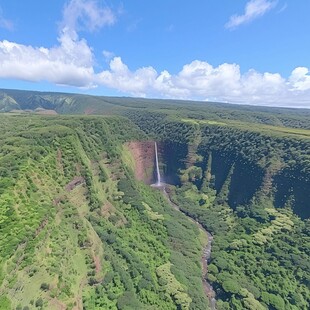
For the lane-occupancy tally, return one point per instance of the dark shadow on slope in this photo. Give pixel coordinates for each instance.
(221, 165)
(245, 181)
(293, 189)
(173, 155)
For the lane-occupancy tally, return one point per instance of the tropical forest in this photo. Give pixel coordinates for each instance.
(128, 203)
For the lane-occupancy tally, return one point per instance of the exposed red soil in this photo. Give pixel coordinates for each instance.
(89, 111)
(97, 263)
(74, 183)
(144, 156)
(57, 200)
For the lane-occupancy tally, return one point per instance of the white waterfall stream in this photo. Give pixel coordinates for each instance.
(157, 166)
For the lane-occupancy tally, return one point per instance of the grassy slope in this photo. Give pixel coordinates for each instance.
(257, 128)
(87, 244)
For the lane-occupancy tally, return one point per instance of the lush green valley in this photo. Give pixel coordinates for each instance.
(79, 231)
(250, 188)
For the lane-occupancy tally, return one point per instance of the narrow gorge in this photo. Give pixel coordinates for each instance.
(206, 252)
(247, 191)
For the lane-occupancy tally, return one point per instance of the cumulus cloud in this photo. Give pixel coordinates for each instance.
(121, 78)
(253, 10)
(71, 62)
(68, 64)
(199, 80)
(300, 79)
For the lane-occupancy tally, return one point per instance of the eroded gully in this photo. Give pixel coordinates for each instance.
(205, 256)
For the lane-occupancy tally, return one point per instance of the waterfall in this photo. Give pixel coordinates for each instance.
(157, 166)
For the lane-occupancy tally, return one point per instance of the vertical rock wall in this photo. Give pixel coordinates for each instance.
(143, 153)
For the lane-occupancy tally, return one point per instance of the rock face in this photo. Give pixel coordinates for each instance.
(143, 153)
(244, 179)
(172, 157)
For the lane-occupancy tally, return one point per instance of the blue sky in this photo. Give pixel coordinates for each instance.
(239, 51)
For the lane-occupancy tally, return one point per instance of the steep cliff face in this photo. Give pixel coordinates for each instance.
(292, 190)
(143, 153)
(246, 181)
(243, 179)
(173, 156)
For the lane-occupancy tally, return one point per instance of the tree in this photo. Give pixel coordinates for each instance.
(275, 301)
(231, 286)
(44, 287)
(39, 303)
(128, 301)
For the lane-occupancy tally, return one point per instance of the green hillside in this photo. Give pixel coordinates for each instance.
(62, 103)
(79, 231)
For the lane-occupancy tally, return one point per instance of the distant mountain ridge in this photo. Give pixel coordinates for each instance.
(66, 103)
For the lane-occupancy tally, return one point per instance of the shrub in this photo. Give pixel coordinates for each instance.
(44, 287)
(39, 303)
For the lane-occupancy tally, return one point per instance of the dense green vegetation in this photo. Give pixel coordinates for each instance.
(260, 256)
(78, 230)
(250, 188)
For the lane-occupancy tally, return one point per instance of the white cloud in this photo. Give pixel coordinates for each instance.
(201, 81)
(72, 61)
(86, 15)
(69, 63)
(5, 23)
(300, 79)
(253, 10)
(121, 78)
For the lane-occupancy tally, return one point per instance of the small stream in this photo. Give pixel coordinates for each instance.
(206, 252)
